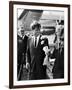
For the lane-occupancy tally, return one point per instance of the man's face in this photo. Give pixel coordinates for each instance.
(58, 32)
(36, 31)
(22, 32)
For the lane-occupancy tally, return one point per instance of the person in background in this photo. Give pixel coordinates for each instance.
(58, 54)
(21, 47)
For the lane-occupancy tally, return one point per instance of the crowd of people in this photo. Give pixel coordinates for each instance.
(34, 53)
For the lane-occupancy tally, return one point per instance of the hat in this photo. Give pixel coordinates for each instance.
(34, 24)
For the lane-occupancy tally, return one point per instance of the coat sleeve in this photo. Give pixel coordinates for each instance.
(28, 57)
(46, 43)
(54, 54)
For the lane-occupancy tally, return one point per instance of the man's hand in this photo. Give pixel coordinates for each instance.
(27, 66)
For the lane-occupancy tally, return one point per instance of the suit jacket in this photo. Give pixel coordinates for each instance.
(22, 44)
(58, 69)
(35, 56)
(21, 47)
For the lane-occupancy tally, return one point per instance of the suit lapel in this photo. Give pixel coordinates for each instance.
(39, 41)
(33, 42)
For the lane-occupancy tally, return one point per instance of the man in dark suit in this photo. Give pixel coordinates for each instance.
(35, 54)
(21, 45)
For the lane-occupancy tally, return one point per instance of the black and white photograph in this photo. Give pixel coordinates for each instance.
(40, 44)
